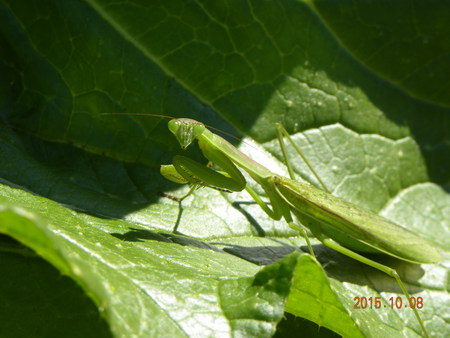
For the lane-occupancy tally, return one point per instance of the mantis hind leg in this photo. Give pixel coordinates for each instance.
(281, 133)
(303, 233)
(389, 271)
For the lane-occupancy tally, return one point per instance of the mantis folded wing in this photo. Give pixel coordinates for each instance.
(339, 225)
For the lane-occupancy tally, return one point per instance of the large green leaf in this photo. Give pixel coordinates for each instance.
(81, 188)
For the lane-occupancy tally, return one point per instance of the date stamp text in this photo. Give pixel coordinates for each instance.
(394, 303)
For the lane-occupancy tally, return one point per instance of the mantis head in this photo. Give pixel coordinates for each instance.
(186, 130)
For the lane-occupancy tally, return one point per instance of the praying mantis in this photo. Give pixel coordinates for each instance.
(338, 224)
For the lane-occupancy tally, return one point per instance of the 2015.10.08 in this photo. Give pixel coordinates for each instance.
(394, 303)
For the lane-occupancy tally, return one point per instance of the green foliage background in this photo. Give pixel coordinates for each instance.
(363, 89)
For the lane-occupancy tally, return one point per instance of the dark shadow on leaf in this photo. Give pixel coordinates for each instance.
(141, 235)
(260, 255)
(237, 205)
(10, 245)
(340, 267)
(336, 265)
(346, 269)
(290, 326)
(79, 180)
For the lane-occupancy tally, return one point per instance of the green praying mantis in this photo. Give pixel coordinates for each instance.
(338, 224)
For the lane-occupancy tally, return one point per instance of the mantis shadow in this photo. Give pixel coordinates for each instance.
(237, 205)
(260, 255)
(142, 235)
(336, 265)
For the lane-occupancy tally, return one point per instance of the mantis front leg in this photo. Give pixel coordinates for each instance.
(281, 133)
